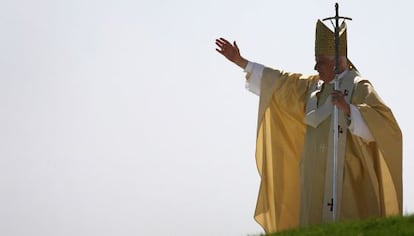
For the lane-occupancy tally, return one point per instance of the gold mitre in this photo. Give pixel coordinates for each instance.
(325, 40)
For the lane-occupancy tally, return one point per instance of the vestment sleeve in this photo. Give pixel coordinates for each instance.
(358, 126)
(254, 77)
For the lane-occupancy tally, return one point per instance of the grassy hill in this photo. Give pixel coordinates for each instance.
(391, 226)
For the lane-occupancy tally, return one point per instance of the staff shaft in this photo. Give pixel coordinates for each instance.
(335, 112)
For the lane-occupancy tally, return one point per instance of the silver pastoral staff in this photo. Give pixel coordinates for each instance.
(333, 203)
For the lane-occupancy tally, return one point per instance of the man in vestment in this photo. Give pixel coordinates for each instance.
(294, 148)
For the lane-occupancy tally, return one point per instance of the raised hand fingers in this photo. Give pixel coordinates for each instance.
(224, 41)
(220, 44)
(225, 47)
(235, 45)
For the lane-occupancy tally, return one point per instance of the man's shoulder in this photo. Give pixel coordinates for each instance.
(357, 77)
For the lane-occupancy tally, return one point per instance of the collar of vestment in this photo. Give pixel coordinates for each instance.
(315, 115)
(340, 76)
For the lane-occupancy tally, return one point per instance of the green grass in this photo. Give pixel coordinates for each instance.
(373, 227)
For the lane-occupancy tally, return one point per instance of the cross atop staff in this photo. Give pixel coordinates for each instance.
(336, 27)
(333, 203)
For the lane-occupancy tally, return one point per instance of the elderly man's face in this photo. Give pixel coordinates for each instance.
(325, 66)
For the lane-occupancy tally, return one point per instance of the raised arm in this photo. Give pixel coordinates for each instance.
(231, 52)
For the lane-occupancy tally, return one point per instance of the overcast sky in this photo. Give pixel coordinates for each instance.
(117, 117)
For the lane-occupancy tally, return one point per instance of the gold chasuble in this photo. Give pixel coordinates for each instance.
(294, 153)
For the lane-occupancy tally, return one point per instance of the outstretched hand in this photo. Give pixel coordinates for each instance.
(230, 51)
